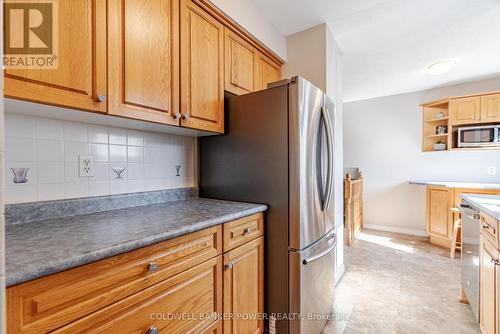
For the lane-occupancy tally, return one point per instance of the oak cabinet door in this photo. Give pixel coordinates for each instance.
(490, 108)
(439, 215)
(465, 110)
(143, 60)
(267, 71)
(80, 77)
(202, 69)
(240, 64)
(244, 288)
(487, 297)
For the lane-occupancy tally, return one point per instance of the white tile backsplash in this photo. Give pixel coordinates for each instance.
(75, 132)
(72, 149)
(50, 149)
(117, 153)
(19, 126)
(49, 172)
(21, 149)
(49, 129)
(98, 134)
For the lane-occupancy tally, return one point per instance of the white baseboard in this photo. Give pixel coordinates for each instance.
(409, 231)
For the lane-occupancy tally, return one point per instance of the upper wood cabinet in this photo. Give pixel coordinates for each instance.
(162, 61)
(144, 62)
(202, 69)
(80, 77)
(244, 288)
(268, 71)
(490, 108)
(465, 110)
(241, 61)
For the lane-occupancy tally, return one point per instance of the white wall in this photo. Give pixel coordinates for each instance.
(383, 137)
(306, 55)
(315, 55)
(249, 17)
(50, 149)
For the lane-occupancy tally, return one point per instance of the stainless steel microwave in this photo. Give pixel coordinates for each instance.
(476, 136)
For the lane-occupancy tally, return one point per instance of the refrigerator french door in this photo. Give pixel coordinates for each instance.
(278, 150)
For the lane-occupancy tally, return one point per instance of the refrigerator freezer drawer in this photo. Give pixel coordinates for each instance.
(312, 286)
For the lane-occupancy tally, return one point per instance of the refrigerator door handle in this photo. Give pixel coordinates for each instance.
(320, 255)
(330, 173)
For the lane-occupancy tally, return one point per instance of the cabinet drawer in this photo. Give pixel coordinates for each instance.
(489, 229)
(240, 231)
(50, 302)
(189, 302)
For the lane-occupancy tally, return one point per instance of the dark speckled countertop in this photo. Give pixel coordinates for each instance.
(45, 247)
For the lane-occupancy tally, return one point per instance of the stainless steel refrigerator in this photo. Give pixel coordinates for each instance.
(278, 149)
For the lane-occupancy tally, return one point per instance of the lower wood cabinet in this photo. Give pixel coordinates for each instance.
(244, 288)
(179, 286)
(440, 218)
(439, 215)
(489, 283)
(186, 303)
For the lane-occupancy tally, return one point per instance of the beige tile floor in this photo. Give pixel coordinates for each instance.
(396, 283)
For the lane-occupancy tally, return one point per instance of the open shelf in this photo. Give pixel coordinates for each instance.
(437, 136)
(437, 120)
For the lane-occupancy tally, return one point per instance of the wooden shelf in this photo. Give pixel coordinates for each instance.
(437, 136)
(435, 120)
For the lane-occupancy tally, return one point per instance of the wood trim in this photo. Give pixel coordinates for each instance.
(238, 29)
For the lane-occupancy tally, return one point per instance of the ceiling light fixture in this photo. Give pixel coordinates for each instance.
(441, 67)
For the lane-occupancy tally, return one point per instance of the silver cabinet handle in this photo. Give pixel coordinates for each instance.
(101, 98)
(495, 262)
(247, 230)
(185, 116)
(176, 115)
(229, 266)
(153, 330)
(153, 267)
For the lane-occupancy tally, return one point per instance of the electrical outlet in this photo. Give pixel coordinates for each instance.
(492, 171)
(86, 165)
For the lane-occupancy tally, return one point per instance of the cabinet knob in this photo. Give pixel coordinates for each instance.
(495, 262)
(176, 115)
(247, 230)
(185, 116)
(229, 266)
(485, 227)
(101, 98)
(153, 330)
(153, 267)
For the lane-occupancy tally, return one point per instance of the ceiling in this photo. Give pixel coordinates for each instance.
(388, 44)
